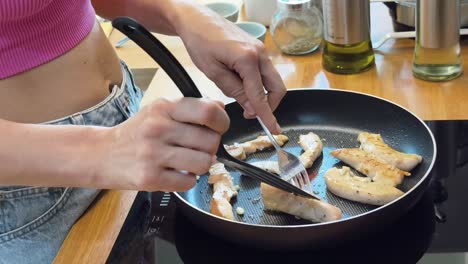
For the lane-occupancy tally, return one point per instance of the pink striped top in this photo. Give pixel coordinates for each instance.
(34, 32)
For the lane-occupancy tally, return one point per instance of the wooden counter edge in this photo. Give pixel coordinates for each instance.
(92, 237)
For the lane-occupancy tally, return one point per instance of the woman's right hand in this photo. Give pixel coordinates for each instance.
(164, 145)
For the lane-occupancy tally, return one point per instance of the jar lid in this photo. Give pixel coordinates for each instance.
(294, 4)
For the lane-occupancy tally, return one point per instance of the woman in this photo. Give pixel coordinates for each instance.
(69, 115)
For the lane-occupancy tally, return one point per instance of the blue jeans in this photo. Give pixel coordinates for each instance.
(34, 221)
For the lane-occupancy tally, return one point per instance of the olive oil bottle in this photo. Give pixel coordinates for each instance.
(347, 47)
(437, 52)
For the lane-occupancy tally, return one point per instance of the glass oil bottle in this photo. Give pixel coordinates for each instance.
(347, 47)
(437, 51)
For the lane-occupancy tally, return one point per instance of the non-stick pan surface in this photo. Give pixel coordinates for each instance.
(337, 117)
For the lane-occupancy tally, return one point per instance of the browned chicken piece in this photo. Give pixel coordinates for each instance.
(268, 165)
(345, 184)
(310, 209)
(370, 165)
(241, 150)
(373, 143)
(312, 146)
(262, 142)
(236, 150)
(223, 191)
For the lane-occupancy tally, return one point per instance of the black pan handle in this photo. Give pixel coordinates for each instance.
(148, 42)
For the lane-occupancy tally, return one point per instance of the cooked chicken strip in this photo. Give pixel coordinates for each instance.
(312, 146)
(236, 150)
(344, 183)
(373, 143)
(310, 209)
(371, 166)
(240, 150)
(268, 165)
(262, 142)
(223, 191)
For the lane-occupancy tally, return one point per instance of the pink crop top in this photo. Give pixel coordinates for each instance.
(33, 32)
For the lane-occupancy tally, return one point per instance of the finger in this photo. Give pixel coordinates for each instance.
(232, 86)
(194, 137)
(248, 69)
(184, 159)
(201, 112)
(272, 82)
(176, 181)
(248, 114)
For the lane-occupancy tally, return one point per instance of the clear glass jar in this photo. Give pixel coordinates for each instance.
(297, 26)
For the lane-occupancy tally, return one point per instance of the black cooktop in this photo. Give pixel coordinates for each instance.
(434, 231)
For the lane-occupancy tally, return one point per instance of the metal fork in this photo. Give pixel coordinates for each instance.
(290, 166)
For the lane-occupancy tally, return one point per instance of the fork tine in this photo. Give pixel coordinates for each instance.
(305, 178)
(306, 181)
(302, 181)
(308, 184)
(296, 182)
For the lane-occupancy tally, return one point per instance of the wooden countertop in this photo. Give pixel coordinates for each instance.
(93, 236)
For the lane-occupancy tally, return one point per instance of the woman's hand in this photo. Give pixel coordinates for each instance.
(235, 61)
(164, 145)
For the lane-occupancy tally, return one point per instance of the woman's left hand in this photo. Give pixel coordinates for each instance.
(235, 61)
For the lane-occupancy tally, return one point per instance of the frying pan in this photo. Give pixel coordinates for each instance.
(337, 116)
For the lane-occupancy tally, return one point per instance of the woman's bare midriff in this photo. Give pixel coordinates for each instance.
(70, 83)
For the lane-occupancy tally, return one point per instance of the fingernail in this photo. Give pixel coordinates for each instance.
(248, 108)
(278, 128)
